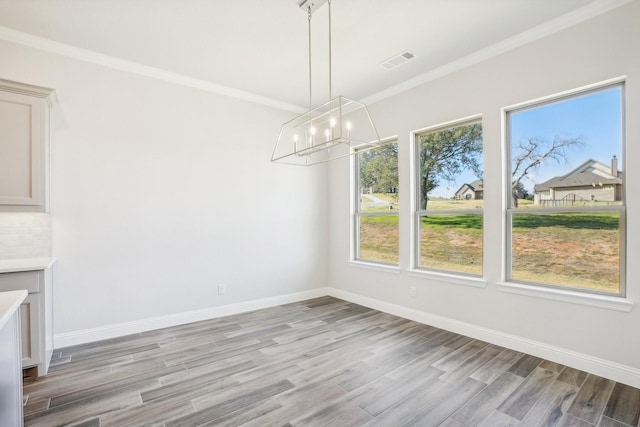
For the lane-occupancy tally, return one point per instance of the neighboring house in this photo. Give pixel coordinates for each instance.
(591, 181)
(473, 191)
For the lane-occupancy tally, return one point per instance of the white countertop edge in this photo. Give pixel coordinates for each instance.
(9, 302)
(25, 264)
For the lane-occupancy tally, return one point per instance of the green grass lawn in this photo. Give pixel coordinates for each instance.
(379, 237)
(578, 250)
(452, 243)
(581, 250)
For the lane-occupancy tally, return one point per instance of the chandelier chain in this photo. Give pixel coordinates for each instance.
(309, 19)
(330, 88)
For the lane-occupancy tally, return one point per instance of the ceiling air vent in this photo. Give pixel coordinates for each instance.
(397, 60)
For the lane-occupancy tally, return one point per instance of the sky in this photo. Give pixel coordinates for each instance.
(595, 117)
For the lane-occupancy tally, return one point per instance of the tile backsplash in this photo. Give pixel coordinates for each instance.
(25, 235)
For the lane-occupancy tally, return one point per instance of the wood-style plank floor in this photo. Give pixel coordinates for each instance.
(317, 362)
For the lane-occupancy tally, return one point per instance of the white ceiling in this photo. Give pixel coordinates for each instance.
(260, 46)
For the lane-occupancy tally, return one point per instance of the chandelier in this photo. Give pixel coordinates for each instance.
(335, 129)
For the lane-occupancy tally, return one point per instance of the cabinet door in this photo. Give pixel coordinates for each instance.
(30, 330)
(24, 133)
(21, 150)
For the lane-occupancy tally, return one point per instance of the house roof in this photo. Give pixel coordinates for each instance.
(477, 185)
(589, 173)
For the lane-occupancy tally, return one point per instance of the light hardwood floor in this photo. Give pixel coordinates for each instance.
(317, 362)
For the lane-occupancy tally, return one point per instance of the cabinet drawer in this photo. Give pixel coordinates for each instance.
(29, 280)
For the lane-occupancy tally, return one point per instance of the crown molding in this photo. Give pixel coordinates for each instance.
(25, 39)
(30, 90)
(584, 13)
(555, 25)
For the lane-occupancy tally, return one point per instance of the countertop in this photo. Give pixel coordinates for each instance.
(9, 302)
(25, 264)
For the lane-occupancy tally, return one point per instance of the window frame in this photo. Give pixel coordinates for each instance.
(357, 214)
(418, 214)
(556, 291)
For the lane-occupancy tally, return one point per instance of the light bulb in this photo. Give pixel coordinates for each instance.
(312, 138)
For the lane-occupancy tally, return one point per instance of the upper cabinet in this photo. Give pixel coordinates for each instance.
(24, 144)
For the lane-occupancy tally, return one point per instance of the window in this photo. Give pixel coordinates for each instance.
(565, 210)
(377, 198)
(449, 199)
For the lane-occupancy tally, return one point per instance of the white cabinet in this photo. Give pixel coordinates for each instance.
(24, 134)
(36, 316)
(11, 412)
(30, 319)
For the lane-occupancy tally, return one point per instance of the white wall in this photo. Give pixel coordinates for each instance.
(599, 49)
(162, 192)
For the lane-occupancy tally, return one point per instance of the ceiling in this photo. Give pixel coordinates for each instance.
(259, 47)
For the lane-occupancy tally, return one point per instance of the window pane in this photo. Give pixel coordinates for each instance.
(450, 165)
(567, 155)
(569, 152)
(580, 250)
(379, 238)
(377, 192)
(378, 179)
(452, 243)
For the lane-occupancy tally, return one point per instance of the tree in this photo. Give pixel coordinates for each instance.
(531, 153)
(520, 191)
(445, 154)
(379, 168)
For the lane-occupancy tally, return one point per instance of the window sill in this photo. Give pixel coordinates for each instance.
(386, 268)
(593, 300)
(475, 282)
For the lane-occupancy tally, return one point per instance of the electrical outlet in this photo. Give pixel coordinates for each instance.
(222, 289)
(413, 291)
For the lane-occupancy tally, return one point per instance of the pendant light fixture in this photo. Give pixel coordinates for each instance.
(330, 131)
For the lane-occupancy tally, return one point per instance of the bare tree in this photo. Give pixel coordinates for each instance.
(535, 151)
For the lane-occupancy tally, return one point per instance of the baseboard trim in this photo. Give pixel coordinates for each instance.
(604, 368)
(594, 365)
(84, 336)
